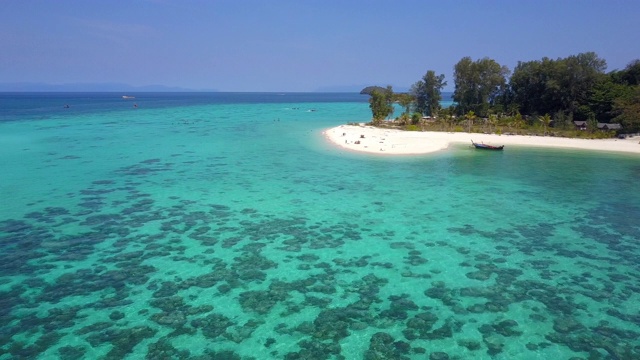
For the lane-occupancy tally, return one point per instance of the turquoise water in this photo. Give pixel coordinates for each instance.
(224, 226)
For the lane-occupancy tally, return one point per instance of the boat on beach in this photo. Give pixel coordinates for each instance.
(486, 147)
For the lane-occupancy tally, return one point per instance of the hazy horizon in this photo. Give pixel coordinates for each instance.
(116, 87)
(294, 46)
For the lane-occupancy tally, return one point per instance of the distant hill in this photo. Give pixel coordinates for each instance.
(370, 89)
(353, 88)
(90, 87)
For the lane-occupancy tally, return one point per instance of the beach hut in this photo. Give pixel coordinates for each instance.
(580, 125)
(606, 126)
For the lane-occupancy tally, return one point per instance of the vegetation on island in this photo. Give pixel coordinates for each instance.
(571, 96)
(370, 89)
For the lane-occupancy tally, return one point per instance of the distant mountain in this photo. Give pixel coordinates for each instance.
(90, 87)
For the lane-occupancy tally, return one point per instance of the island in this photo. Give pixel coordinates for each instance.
(564, 103)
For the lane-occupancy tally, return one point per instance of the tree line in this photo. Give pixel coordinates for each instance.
(546, 91)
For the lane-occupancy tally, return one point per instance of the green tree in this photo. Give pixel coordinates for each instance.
(630, 75)
(562, 121)
(513, 108)
(428, 93)
(434, 85)
(465, 81)
(582, 73)
(627, 109)
(603, 96)
(415, 118)
(533, 87)
(549, 86)
(389, 99)
(419, 93)
(546, 121)
(381, 105)
(405, 100)
(592, 124)
(478, 84)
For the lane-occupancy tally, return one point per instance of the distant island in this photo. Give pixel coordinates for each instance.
(369, 90)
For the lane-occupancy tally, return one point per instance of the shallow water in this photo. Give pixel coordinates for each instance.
(224, 226)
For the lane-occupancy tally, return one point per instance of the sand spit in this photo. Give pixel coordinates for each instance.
(398, 142)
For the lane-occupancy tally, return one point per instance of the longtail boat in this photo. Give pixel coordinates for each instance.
(486, 147)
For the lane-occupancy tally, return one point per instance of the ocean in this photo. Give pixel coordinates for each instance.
(224, 226)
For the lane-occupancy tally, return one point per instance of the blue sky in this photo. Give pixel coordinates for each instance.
(301, 45)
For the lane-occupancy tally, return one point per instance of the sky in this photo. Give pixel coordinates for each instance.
(298, 45)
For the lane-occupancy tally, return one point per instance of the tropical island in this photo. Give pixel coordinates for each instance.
(559, 103)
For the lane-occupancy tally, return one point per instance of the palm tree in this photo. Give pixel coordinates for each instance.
(470, 116)
(517, 122)
(509, 122)
(493, 120)
(545, 120)
(445, 115)
(449, 119)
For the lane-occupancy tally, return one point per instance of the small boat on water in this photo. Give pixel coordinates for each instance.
(128, 97)
(486, 147)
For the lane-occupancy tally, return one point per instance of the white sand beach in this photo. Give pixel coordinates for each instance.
(387, 141)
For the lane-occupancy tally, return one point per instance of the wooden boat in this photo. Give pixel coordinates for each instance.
(486, 147)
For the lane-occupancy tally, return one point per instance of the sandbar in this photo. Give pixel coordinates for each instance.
(369, 139)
